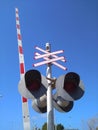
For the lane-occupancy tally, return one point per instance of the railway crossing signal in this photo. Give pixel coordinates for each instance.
(37, 87)
(33, 85)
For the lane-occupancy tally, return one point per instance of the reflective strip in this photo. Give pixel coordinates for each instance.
(24, 99)
(22, 68)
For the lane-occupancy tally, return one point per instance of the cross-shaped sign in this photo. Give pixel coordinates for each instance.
(49, 57)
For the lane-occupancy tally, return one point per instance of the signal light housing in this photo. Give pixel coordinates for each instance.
(34, 86)
(40, 105)
(39, 109)
(61, 104)
(70, 87)
(33, 80)
(71, 82)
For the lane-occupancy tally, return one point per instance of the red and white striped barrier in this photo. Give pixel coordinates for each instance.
(26, 118)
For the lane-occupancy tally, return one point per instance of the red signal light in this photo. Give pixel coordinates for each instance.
(33, 80)
(34, 86)
(70, 87)
(71, 82)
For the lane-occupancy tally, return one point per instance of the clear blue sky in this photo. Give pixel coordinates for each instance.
(71, 25)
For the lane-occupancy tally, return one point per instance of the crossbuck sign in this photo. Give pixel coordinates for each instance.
(49, 57)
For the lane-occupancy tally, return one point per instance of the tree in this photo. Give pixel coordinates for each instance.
(44, 127)
(60, 127)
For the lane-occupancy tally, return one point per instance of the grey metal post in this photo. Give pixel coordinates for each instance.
(50, 116)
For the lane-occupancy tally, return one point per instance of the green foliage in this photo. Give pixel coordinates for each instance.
(60, 127)
(44, 127)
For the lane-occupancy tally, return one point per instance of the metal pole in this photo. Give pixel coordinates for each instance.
(50, 116)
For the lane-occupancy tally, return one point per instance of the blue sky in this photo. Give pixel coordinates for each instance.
(71, 25)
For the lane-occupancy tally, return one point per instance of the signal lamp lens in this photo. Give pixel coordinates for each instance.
(33, 80)
(71, 82)
(35, 85)
(70, 87)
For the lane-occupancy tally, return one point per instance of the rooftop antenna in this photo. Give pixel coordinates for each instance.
(25, 110)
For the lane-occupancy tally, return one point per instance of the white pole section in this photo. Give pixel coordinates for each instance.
(50, 116)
